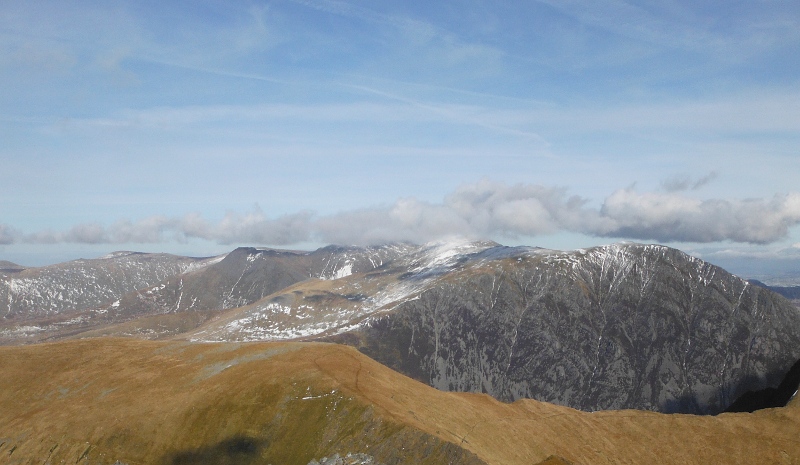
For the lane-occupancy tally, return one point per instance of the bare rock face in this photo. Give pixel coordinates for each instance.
(622, 326)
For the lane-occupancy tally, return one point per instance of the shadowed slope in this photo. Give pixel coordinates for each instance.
(103, 400)
(769, 397)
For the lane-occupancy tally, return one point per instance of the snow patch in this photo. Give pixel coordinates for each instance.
(344, 271)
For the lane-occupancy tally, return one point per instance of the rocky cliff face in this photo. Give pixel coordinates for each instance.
(623, 326)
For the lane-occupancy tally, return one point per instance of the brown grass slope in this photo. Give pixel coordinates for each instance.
(102, 400)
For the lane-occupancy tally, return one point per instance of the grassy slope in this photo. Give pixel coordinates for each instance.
(140, 402)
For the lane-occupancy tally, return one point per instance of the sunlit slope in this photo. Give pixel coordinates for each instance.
(138, 402)
(141, 402)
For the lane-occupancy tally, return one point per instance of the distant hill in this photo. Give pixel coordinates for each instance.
(80, 285)
(9, 267)
(107, 401)
(247, 275)
(790, 292)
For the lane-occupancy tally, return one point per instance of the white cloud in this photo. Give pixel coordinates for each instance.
(673, 217)
(480, 210)
(256, 228)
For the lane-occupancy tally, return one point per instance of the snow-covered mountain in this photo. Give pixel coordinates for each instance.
(619, 326)
(67, 289)
(84, 295)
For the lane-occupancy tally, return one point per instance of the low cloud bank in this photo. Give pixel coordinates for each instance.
(480, 210)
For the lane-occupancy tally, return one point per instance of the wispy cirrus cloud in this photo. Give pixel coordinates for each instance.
(431, 43)
(673, 25)
(478, 210)
(758, 114)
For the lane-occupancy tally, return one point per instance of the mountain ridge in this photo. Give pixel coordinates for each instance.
(618, 326)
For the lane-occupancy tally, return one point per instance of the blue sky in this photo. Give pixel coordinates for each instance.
(194, 127)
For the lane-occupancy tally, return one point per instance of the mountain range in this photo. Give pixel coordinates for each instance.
(624, 326)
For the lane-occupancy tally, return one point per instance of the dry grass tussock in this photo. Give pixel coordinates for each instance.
(142, 402)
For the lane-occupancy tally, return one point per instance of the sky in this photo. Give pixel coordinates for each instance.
(196, 127)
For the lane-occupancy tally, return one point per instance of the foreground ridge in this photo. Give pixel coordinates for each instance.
(92, 401)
